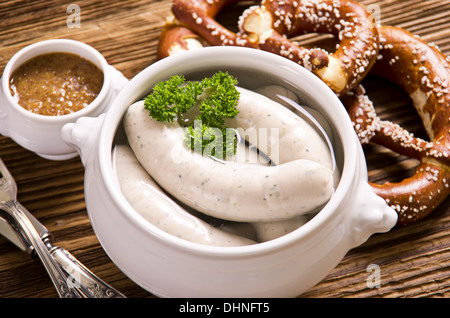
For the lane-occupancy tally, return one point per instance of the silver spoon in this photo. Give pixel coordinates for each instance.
(70, 278)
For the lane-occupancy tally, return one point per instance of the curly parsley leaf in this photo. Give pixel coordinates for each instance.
(220, 143)
(171, 99)
(215, 98)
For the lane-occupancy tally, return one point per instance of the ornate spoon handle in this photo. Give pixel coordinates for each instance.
(63, 286)
(70, 277)
(85, 282)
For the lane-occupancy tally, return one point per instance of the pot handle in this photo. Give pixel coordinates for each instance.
(83, 136)
(369, 214)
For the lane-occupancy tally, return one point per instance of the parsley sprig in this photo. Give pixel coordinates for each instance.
(213, 100)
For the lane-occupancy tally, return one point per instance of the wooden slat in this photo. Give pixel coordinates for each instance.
(414, 261)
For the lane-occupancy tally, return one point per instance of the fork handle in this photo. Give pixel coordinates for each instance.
(85, 282)
(63, 286)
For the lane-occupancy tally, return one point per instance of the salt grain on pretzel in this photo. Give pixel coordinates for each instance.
(424, 72)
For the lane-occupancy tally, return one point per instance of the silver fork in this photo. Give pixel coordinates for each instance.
(70, 278)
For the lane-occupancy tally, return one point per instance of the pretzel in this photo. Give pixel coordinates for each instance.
(269, 25)
(424, 72)
(403, 56)
(175, 37)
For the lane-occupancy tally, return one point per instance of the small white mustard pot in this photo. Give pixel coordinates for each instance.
(40, 133)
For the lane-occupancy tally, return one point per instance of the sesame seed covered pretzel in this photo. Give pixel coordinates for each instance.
(269, 25)
(424, 72)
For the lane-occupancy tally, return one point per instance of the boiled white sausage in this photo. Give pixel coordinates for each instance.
(155, 206)
(237, 192)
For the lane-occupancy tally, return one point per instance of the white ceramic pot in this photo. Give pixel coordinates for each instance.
(285, 267)
(39, 133)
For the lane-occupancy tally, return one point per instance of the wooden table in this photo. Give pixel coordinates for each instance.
(413, 261)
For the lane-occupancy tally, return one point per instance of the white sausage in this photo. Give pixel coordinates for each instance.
(236, 192)
(279, 93)
(156, 207)
(267, 231)
(294, 137)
